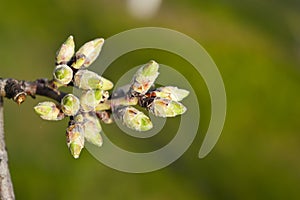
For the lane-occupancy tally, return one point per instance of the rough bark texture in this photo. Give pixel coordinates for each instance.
(6, 188)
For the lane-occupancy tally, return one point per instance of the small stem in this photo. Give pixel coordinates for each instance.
(6, 187)
(122, 101)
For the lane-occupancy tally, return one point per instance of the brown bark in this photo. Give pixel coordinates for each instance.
(6, 187)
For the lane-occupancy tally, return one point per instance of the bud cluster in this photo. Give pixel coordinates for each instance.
(161, 102)
(71, 69)
(95, 103)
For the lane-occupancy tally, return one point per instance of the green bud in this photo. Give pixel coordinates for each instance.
(66, 51)
(70, 105)
(48, 111)
(92, 129)
(75, 139)
(172, 93)
(145, 77)
(90, 99)
(63, 74)
(166, 108)
(135, 119)
(90, 52)
(88, 80)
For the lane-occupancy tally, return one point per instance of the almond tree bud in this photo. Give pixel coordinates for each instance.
(166, 108)
(88, 80)
(88, 53)
(66, 51)
(145, 77)
(70, 105)
(63, 74)
(48, 111)
(135, 119)
(90, 99)
(75, 139)
(172, 93)
(92, 129)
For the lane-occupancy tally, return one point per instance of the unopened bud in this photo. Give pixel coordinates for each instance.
(90, 99)
(88, 80)
(92, 129)
(145, 77)
(48, 111)
(63, 74)
(66, 51)
(89, 51)
(75, 139)
(70, 105)
(172, 93)
(166, 108)
(135, 119)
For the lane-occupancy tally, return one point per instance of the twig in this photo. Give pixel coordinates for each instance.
(6, 187)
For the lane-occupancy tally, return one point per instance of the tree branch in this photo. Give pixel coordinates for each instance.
(18, 90)
(6, 187)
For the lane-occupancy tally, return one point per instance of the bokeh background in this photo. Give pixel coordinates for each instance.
(255, 44)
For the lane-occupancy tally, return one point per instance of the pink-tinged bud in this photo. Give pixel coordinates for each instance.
(88, 53)
(135, 119)
(66, 51)
(166, 108)
(145, 77)
(171, 93)
(75, 139)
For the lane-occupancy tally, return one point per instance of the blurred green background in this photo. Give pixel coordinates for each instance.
(255, 44)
